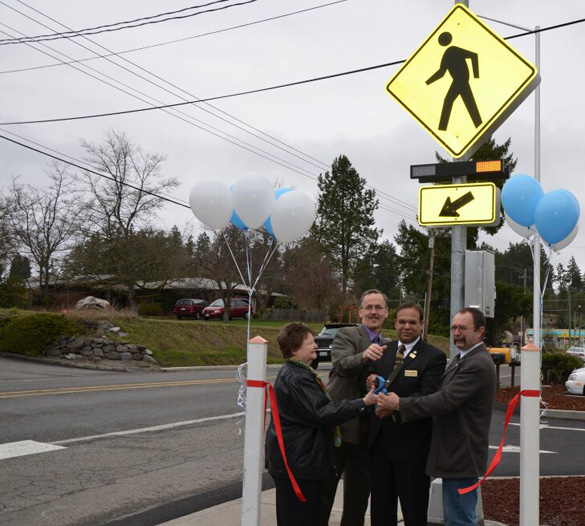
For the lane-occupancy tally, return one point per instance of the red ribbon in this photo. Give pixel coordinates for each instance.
(528, 393)
(277, 426)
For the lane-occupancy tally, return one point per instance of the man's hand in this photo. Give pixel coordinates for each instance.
(373, 353)
(372, 380)
(388, 402)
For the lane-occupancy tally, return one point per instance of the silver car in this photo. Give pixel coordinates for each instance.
(576, 382)
(579, 352)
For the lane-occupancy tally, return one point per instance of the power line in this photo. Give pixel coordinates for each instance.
(78, 164)
(207, 99)
(258, 90)
(173, 93)
(95, 31)
(85, 169)
(168, 42)
(214, 131)
(247, 146)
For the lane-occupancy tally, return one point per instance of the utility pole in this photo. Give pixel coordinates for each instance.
(570, 317)
(429, 285)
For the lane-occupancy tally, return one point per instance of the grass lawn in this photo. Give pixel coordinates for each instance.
(180, 343)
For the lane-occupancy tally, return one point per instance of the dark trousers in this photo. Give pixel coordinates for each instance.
(397, 480)
(290, 511)
(354, 460)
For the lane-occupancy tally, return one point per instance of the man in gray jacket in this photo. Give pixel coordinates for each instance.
(351, 351)
(462, 412)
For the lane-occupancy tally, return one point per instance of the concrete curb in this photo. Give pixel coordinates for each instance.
(94, 366)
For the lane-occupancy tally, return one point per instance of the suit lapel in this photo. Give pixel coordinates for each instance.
(364, 338)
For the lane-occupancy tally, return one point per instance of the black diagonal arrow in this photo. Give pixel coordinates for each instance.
(450, 208)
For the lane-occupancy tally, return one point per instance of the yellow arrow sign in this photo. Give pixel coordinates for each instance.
(459, 204)
(463, 82)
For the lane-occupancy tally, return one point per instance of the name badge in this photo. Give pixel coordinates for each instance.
(410, 372)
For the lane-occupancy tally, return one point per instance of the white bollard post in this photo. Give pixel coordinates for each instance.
(530, 437)
(254, 432)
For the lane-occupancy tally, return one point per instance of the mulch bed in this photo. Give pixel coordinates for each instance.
(562, 499)
(555, 395)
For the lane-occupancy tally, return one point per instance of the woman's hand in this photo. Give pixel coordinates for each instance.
(371, 398)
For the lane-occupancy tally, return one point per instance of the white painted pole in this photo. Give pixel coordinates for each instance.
(530, 375)
(530, 437)
(254, 433)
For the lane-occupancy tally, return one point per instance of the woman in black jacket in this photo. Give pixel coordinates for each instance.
(309, 421)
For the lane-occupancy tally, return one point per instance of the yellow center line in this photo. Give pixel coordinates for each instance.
(116, 387)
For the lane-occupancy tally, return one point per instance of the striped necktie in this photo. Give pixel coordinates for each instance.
(399, 356)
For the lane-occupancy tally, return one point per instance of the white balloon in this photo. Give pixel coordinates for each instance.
(524, 231)
(292, 216)
(567, 241)
(253, 197)
(211, 203)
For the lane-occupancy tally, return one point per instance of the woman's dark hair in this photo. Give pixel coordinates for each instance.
(292, 337)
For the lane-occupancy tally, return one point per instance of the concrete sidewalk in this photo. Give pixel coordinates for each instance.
(230, 513)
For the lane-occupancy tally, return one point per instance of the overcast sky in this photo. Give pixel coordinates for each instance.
(317, 121)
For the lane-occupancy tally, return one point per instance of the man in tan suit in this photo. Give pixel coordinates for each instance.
(352, 351)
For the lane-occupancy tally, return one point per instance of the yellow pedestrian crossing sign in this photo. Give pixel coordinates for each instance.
(459, 204)
(463, 82)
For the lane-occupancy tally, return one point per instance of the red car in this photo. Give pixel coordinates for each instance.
(189, 308)
(239, 308)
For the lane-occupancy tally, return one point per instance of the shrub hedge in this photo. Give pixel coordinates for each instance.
(29, 335)
(556, 367)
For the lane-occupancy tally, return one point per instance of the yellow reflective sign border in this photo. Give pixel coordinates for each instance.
(459, 204)
(505, 80)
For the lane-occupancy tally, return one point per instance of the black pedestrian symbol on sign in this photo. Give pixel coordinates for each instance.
(454, 61)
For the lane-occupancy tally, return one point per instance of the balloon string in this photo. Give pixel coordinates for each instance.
(548, 267)
(267, 259)
(233, 257)
(249, 283)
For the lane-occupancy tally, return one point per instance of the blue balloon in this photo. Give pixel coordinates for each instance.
(237, 222)
(235, 219)
(556, 215)
(520, 196)
(277, 193)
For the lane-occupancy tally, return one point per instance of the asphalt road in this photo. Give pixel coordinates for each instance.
(142, 448)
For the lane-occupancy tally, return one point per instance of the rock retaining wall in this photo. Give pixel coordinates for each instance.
(71, 347)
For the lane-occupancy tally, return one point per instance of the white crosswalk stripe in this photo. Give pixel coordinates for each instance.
(25, 447)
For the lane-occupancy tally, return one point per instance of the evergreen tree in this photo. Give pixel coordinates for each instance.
(20, 267)
(414, 263)
(345, 218)
(574, 279)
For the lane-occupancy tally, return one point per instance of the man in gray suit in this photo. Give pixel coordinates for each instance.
(462, 412)
(351, 351)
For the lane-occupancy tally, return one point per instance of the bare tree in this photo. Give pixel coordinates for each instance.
(214, 261)
(44, 221)
(6, 240)
(127, 198)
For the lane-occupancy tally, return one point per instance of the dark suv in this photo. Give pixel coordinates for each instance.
(324, 340)
(189, 308)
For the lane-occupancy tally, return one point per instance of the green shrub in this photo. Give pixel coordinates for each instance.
(284, 302)
(150, 309)
(29, 335)
(556, 367)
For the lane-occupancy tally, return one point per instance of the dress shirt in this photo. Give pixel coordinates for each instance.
(466, 351)
(408, 346)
